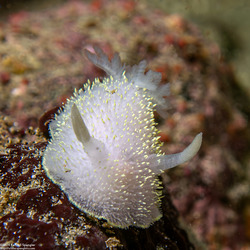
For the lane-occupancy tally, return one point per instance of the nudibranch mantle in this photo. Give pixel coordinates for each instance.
(105, 152)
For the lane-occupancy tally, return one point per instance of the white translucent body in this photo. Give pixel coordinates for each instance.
(105, 152)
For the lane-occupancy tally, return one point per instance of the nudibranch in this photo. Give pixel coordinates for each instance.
(105, 152)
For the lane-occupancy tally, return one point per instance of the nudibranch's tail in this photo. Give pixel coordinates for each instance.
(136, 74)
(94, 148)
(170, 161)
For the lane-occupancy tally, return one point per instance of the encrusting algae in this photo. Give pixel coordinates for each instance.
(105, 152)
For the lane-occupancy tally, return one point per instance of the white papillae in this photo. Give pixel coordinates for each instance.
(105, 152)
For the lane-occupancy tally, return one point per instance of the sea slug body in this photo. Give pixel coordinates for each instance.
(105, 152)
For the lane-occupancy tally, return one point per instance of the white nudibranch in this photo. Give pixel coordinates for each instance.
(105, 152)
